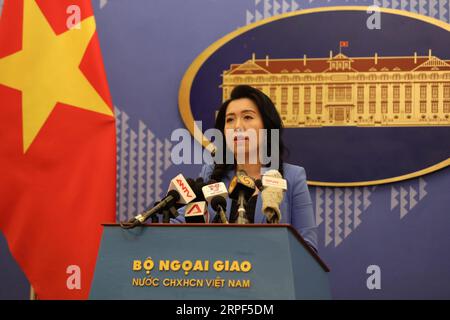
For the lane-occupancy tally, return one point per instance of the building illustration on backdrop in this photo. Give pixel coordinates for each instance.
(350, 91)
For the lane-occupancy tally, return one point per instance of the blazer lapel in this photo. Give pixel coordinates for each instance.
(259, 216)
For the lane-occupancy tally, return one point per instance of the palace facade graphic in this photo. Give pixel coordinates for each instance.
(350, 91)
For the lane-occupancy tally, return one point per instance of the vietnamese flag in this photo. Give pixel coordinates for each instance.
(343, 44)
(57, 143)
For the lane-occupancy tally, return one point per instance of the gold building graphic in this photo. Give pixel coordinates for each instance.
(350, 91)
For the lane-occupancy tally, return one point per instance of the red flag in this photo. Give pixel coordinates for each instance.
(343, 44)
(57, 143)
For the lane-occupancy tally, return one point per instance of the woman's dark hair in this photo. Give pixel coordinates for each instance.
(270, 117)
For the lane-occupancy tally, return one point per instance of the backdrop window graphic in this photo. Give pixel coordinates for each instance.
(370, 106)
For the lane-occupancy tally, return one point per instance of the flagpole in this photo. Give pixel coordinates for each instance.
(32, 294)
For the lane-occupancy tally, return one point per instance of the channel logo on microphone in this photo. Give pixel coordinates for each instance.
(180, 184)
(197, 212)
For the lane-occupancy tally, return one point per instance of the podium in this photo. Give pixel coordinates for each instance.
(207, 261)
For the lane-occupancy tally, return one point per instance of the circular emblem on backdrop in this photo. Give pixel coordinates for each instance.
(364, 100)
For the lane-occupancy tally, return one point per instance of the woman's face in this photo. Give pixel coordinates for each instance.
(243, 122)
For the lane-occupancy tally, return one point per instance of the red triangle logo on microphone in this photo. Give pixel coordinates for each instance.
(195, 209)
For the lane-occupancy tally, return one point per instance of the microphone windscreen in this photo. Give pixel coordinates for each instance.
(273, 178)
(191, 182)
(218, 201)
(195, 186)
(174, 194)
(273, 173)
(272, 195)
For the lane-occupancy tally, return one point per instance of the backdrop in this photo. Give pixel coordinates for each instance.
(401, 228)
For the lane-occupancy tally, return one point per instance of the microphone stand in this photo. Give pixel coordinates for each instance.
(242, 216)
(222, 215)
(169, 213)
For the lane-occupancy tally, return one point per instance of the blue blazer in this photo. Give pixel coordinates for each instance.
(296, 207)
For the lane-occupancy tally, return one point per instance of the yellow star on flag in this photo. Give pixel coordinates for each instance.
(47, 71)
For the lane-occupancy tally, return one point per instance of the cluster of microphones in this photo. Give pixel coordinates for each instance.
(197, 195)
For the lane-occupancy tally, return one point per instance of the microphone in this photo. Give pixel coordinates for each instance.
(196, 212)
(241, 189)
(179, 192)
(258, 184)
(215, 194)
(219, 204)
(197, 188)
(184, 188)
(273, 188)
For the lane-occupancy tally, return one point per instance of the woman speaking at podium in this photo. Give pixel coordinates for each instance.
(248, 109)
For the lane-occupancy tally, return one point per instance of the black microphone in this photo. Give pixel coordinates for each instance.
(168, 201)
(215, 194)
(259, 184)
(197, 188)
